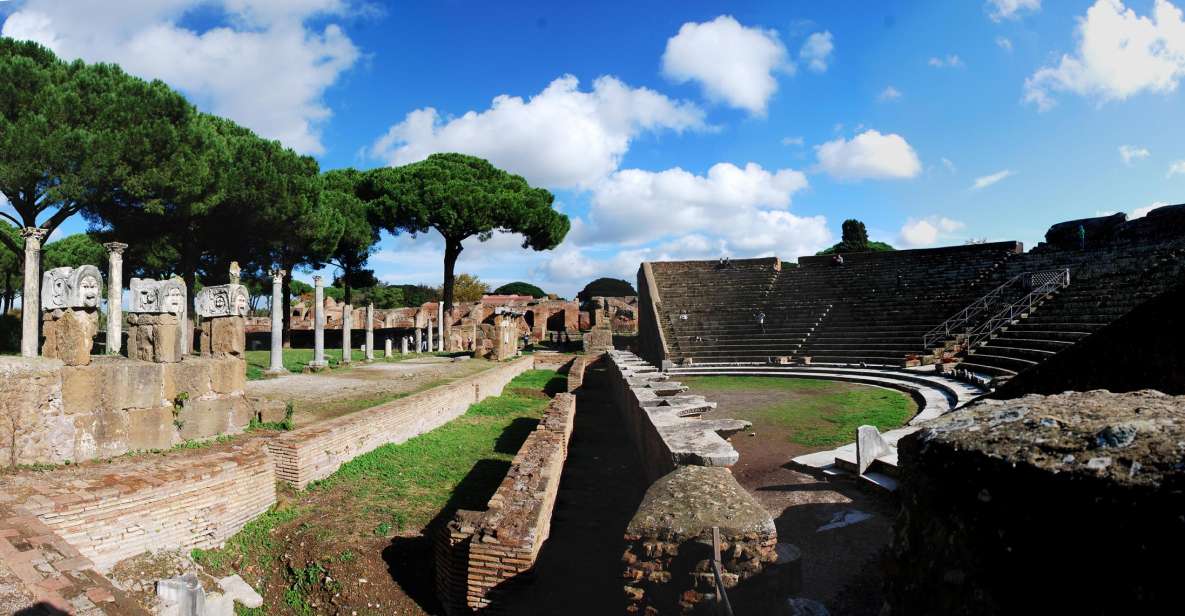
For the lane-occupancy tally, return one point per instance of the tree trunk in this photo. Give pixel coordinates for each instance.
(286, 292)
(452, 250)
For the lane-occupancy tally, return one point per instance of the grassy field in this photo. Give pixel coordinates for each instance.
(296, 359)
(314, 545)
(811, 412)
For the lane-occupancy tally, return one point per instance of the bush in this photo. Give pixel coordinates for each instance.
(520, 288)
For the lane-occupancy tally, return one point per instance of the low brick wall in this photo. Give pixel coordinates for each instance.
(663, 422)
(478, 553)
(115, 405)
(1081, 493)
(576, 373)
(114, 511)
(315, 452)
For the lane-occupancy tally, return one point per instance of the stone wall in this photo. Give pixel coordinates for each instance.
(56, 413)
(479, 553)
(1064, 504)
(314, 452)
(652, 344)
(118, 510)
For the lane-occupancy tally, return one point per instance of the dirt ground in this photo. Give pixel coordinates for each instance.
(841, 528)
(337, 392)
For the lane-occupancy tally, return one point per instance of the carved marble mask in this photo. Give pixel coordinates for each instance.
(88, 291)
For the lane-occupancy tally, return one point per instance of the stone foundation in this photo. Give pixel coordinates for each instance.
(69, 335)
(479, 553)
(223, 336)
(56, 413)
(1076, 497)
(154, 337)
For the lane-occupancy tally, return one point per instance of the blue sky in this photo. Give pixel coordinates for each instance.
(691, 129)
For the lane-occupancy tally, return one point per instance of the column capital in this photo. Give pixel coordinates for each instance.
(115, 248)
(278, 275)
(317, 281)
(35, 233)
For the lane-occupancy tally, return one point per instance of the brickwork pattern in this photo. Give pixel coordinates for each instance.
(315, 452)
(56, 575)
(478, 553)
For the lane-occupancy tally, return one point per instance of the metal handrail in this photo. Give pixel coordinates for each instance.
(945, 329)
(950, 327)
(1043, 283)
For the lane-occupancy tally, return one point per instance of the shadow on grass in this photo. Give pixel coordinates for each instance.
(409, 559)
(513, 436)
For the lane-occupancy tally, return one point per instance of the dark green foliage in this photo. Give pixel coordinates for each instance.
(462, 196)
(606, 287)
(520, 288)
(855, 239)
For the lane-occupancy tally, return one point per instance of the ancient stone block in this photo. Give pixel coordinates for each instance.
(228, 375)
(150, 428)
(222, 301)
(69, 287)
(224, 336)
(69, 335)
(130, 384)
(191, 376)
(81, 389)
(154, 337)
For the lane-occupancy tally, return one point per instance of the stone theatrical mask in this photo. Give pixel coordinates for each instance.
(171, 296)
(225, 300)
(69, 287)
(145, 295)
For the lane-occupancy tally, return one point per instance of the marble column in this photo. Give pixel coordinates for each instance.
(347, 326)
(430, 347)
(440, 325)
(31, 294)
(370, 332)
(419, 340)
(318, 323)
(277, 363)
(114, 296)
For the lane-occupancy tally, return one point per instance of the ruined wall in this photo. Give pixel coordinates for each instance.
(479, 553)
(1144, 349)
(114, 405)
(116, 511)
(316, 451)
(1065, 504)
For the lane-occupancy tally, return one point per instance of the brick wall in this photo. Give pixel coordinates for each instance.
(114, 511)
(315, 452)
(115, 405)
(479, 552)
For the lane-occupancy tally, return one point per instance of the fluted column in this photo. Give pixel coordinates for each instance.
(318, 323)
(277, 363)
(115, 296)
(31, 295)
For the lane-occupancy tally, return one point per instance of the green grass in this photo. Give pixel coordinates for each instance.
(812, 412)
(395, 488)
(296, 359)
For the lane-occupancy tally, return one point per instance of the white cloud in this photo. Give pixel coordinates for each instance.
(816, 51)
(1119, 54)
(923, 232)
(869, 155)
(262, 67)
(561, 138)
(1141, 212)
(950, 61)
(988, 180)
(1176, 167)
(1004, 43)
(798, 141)
(889, 94)
(637, 206)
(999, 10)
(950, 166)
(733, 63)
(1130, 152)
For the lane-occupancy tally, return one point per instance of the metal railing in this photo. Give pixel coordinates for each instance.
(955, 325)
(1043, 284)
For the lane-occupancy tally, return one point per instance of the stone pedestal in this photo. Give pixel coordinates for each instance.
(70, 335)
(154, 337)
(387, 350)
(419, 340)
(506, 345)
(403, 345)
(224, 336)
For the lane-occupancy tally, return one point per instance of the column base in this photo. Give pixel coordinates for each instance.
(316, 366)
(275, 372)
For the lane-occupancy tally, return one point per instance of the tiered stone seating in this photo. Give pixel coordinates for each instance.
(1105, 283)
